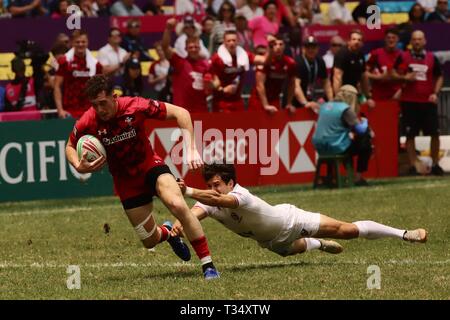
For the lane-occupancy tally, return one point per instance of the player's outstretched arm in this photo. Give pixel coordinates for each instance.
(184, 121)
(177, 228)
(208, 197)
(83, 165)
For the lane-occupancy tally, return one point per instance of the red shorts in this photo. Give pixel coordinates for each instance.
(139, 190)
(228, 106)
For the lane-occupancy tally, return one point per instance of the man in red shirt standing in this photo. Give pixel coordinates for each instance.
(380, 67)
(138, 172)
(270, 78)
(74, 69)
(229, 66)
(423, 76)
(188, 73)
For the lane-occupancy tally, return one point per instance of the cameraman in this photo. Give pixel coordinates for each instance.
(20, 95)
(339, 131)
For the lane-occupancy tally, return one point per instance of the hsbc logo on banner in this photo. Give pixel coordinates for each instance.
(295, 133)
(263, 147)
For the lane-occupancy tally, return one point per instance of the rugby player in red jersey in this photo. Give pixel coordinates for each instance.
(74, 69)
(271, 77)
(138, 172)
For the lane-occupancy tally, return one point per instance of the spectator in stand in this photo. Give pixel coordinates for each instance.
(293, 43)
(311, 75)
(20, 95)
(101, 8)
(360, 14)
(285, 17)
(154, 8)
(74, 68)
(229, 66)
(61, 10)
(187, 73)
(26, 8)
(381, 65)
(243, 33)
(132, 84)
(309, 12)
(428, 5)
(186, 29)
(338, 13)
(350, 68)
(336, 43)
(423, 82)
(213, 6)
(264, 25)
(62, 39)
(251, 10)
(87, 9)
(441, 13)
(111, 56)
(158, 75)
(133, 43)
(207, 27)
(125, 8)
(191, 7)
(416, 15)
(271, 77)
(224, 22)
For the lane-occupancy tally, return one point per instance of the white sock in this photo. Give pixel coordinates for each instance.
(206, 260)
(373, 230)
(312, 244)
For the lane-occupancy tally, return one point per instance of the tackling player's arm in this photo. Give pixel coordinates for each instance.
(209, 197)
(184, 122)
(177, 228)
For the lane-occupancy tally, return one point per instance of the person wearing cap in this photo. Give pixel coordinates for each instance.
(337, 120)
(311, 75)
(126, 8)
(133, 43)
(132, 83)
(189, 89)
(19, 93)
(278, 70)
(186, 29)
(350, 67)
(112, 56)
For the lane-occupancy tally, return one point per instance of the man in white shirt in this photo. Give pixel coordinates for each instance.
(283, 228)
(111, 56)
(338, 13)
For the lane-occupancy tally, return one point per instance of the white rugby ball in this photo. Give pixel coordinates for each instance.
(92, 146)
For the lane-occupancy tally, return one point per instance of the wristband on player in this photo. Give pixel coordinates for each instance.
(189, 192)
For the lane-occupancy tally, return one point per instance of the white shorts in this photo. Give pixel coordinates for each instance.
(299, 224)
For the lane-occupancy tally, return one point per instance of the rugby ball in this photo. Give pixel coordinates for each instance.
(92, 146)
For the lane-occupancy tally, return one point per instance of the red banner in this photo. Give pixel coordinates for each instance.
(270, 149)
(149, 24)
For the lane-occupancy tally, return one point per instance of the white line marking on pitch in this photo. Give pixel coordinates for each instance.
(7, 265)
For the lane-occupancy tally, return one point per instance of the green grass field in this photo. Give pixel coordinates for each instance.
(40, 239)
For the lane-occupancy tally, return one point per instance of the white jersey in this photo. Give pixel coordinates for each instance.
(253, 218)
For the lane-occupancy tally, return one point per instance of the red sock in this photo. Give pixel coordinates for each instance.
(164, 233)
(200, 246)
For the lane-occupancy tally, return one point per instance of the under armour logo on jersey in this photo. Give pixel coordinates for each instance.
(100, 132)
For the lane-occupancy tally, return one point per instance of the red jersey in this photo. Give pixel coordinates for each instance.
(129, 153)
(229, 75)
(13, 91)
(427, 70)
(381, 61)
(75, 74)
(188, 86)
(276, 73)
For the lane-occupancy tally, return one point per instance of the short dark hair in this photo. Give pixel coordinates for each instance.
(357, 31)
(225, 171)
(391, 31)
(268, 3)
(96, 85)
(229, 31)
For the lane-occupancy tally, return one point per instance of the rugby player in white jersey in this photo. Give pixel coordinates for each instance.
(283, 228)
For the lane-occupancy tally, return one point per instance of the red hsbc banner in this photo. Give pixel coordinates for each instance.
(325, 33)
(148, 23)
(268, 149)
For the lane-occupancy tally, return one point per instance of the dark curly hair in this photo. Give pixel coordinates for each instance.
(96, 85)
(225, 171)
